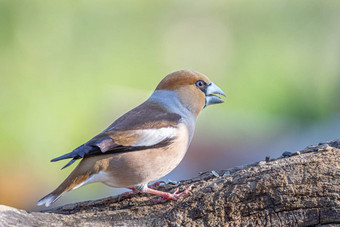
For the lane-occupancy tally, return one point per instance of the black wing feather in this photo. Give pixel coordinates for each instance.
(86, 150)
(77, 153)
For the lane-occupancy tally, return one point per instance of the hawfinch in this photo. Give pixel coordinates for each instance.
(147, 142)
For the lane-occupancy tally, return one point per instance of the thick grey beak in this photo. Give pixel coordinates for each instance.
(210, 95)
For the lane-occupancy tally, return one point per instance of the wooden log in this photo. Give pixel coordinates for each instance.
(300, 189)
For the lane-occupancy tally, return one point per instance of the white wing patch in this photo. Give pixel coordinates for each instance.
(150, 137)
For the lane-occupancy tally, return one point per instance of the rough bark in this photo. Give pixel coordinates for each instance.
(300, 189)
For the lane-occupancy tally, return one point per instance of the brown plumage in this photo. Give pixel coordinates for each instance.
(147, 142)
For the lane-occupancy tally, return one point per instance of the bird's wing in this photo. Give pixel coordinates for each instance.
(147, 126)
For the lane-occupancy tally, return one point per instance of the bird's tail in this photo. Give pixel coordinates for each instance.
(49, 199)
(76, 179)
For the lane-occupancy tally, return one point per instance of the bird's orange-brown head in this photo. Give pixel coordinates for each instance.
(194, 89)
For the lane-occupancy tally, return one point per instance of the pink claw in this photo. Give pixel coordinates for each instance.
(165, 195)
(168, 196)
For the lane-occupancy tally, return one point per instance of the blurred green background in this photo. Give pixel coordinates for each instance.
(69, 68)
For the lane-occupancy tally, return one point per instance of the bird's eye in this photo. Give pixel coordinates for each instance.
(200, 84)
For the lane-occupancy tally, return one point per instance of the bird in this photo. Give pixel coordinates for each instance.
(146, 143)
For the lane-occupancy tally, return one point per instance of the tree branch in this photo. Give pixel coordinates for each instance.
(300, 189)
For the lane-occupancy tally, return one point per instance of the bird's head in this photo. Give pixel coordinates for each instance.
(194, 89)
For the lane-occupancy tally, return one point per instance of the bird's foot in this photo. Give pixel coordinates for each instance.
(134, 191)
(168, 196)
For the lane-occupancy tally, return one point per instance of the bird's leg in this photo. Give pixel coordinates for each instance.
(156, 184)
(132, 192)
(168, 196)
(136, 191)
